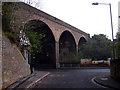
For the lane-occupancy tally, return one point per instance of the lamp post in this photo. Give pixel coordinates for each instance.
(111, 29)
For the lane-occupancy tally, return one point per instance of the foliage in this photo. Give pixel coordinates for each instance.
(11, 37)
(71, 58)
(34, 38)
(97, 47)
(118, 36)
(8, 9)
(117, 45)
(8, 17)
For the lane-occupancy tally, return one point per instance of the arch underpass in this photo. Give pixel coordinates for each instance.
(82, 41)
(67, 46)
(46, 58)
(61, 38)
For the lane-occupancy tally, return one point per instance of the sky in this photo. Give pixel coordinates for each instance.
(92, 19)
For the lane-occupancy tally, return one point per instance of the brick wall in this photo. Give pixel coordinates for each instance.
(14, 66)
(25, 13)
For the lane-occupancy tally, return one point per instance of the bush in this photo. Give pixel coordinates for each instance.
(117, 45)
(11, 37)
(71, 58)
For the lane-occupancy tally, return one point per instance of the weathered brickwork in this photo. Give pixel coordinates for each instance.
(26, 13)
(14, 65)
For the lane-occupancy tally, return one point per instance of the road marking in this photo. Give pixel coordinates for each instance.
(93, 80)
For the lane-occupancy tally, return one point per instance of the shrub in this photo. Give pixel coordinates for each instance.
(12, 37)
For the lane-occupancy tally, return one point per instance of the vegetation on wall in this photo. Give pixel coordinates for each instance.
(8, 17)
(8, 23)
(34, 38)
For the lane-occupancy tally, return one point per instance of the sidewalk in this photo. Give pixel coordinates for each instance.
(107, 81)
(30, 81)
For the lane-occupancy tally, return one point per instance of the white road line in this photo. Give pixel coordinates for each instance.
(92, 80)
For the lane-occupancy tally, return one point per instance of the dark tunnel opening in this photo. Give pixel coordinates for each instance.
(67, 46)
(46, 58)
(82, 41)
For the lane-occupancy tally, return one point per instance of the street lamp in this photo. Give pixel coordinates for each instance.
(112, 31)
(111, 23)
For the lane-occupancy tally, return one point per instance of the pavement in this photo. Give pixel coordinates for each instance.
(35, 78)
(107, 81)
(29, 81)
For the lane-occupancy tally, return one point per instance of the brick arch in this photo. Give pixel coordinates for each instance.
(35, 17)
(67, 45)
(81, 41)
(80, 38)
(70, 33)
(47, 55)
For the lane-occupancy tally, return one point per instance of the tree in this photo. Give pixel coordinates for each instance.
(30, 39)
(33, 3)
(97, 47)
(117, 45)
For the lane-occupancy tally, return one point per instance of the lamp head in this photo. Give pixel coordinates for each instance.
(95, 3)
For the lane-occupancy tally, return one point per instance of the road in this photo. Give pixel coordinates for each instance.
(72, 78)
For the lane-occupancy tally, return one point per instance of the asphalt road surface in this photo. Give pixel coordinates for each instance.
(72, 78)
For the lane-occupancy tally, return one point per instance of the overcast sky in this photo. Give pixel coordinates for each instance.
(92, 19)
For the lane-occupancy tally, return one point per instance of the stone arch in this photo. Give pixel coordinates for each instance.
(67, 45)
(46, 58)
(36, 17)
(71, 34)
(82, 41)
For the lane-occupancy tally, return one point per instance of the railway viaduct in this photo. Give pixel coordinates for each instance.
(62, 38)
